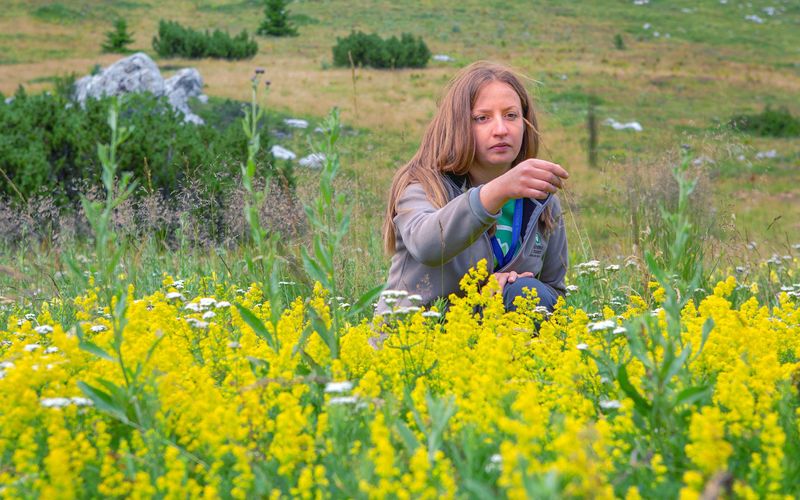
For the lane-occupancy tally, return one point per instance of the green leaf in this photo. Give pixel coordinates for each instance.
(677, 363)
(323, 257)
(366, 300)
(641, 404)
(707, 327)
(692, 394)
(327, 335)
(258, 326)
(93, 348)
(313, 269)
(153, 347)
(103, 402)
(408, 437)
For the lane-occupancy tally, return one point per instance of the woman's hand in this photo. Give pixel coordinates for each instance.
(510, 277)
(532, 178)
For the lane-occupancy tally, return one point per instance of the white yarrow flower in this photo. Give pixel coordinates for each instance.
(209, 314)
(78, 401)
(431, 314)
(175, 295)
(43, 329)
(582, 346)
(193, 306)
(197, 323)
(97, 328)
(343, 400)
(338, 387)
(51, 350)
(602, 325)
(55, 402)
(611, 404)
(31, 347)
(222, 303)
(207, 302)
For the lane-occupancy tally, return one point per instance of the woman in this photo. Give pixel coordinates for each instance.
(475, 190)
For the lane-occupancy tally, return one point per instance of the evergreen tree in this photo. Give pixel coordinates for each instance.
(118, 39)
(276, 19)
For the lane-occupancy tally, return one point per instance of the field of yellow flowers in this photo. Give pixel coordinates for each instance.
(176, 396)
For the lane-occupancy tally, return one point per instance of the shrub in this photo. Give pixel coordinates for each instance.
(50, 145)
(174, 40)
(372, 50)
(276, 19)
(770, 122)
(118, 39)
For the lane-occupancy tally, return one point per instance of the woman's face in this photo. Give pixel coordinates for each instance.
(497, 127)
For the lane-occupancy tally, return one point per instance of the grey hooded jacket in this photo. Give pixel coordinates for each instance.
(436, 247)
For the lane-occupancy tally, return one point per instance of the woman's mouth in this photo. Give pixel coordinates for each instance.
(500, 148)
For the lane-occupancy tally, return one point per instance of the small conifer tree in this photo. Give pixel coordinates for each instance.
(276, 19)
(118, 39)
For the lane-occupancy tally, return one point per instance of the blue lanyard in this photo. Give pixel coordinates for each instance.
(516, 230)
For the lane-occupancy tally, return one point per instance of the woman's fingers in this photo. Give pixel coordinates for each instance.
(553, 168)
(501, 280)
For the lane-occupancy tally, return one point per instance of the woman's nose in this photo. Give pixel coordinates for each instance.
(500, 127)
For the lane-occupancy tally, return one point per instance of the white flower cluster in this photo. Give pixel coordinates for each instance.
(606, 324)
(63, 402)
(393, 298)
(342, 388)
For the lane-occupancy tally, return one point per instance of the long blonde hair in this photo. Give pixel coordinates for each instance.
(448, 144)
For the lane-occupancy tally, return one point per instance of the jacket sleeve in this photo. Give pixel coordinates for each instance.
(435, 236)
(556, 257)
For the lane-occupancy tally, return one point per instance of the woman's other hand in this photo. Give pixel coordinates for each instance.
(532, 178)
(510, 277)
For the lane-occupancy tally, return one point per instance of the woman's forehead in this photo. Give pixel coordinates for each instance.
(497, 93)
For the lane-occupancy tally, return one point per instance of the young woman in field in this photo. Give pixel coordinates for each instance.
(475, 190)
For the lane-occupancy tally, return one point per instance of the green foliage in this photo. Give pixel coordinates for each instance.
(174, 40)
(619, 42)
(49, 145)
(276, 19)
(329, 219)
(769, 123)
(371, 50)
(57, 12)
(118, 40)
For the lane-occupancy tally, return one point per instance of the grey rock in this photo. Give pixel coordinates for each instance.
(314, 161)
(135, 73)
(185, 84)
(282, 153)
(138, 73)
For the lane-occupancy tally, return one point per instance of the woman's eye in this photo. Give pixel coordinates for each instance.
(512, 116)
(480, 118)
